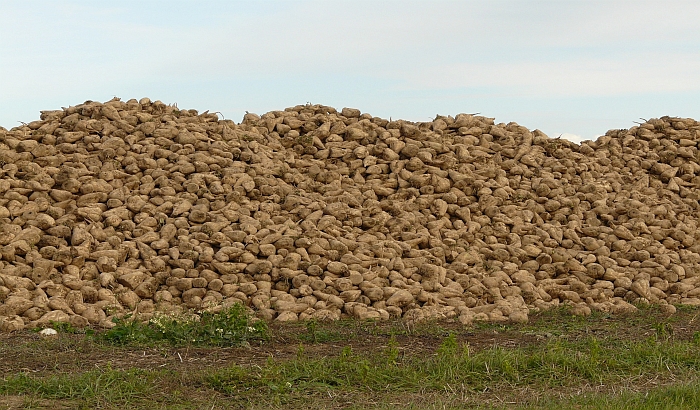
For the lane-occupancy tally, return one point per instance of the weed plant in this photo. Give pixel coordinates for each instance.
(230, 327)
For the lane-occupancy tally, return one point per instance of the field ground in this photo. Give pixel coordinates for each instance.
(641, 360)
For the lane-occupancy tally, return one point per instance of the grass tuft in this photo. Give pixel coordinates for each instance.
(315, 333)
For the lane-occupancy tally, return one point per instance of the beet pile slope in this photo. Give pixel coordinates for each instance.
(137, 206)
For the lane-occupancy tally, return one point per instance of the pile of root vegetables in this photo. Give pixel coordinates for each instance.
(138, 207)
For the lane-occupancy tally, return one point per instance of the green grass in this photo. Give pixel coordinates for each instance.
(452, 366)
(685, 396)
(556, 364)
(91, 388)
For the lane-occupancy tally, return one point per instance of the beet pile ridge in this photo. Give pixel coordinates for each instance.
(137, 206)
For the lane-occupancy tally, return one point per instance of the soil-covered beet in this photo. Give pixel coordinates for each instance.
(140, 207)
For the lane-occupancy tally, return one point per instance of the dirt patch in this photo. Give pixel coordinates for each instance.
(27, 402)
(28, 352)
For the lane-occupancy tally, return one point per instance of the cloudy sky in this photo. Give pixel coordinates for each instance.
(576, 68)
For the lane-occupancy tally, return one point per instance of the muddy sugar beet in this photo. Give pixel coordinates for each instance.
(139, 207)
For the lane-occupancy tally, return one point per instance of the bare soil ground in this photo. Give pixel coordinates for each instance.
(28, 353)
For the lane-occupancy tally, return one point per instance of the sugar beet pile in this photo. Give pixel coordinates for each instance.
(140, 207)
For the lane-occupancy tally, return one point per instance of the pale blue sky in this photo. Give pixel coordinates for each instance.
(565, 67)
